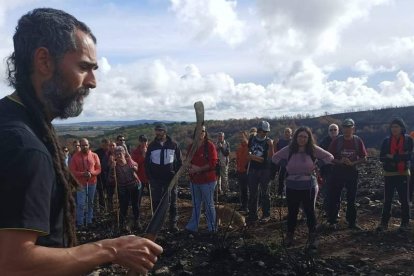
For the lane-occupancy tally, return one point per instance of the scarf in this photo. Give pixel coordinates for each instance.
(397, 147)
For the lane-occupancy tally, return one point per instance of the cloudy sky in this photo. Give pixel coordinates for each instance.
(243, 59)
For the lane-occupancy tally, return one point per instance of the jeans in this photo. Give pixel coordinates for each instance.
(308, 199)
(158, 188)
(203, 193)
(259, 178)
(84, 198)
(399, 183)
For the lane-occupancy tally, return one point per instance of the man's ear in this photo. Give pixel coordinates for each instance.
(43, 62)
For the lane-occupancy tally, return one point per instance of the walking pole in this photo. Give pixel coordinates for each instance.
(150, 198)
(117, 199)
(87, 204)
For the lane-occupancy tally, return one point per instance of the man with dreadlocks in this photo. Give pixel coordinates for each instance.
(52, 71)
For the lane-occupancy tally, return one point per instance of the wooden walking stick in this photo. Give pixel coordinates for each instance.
(158, 218)
(116, 203)
(150, 198)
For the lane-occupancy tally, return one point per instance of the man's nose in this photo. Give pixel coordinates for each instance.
(90, 80)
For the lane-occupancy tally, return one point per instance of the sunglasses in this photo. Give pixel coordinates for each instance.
(333, 129)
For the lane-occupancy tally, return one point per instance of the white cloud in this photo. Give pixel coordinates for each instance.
(366, 68)
(207, 18)
(299, 29)
(279, 57)
(155, 90)
(398, 50)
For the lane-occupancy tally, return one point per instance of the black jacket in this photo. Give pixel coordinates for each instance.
(390, 165)
(162, 161)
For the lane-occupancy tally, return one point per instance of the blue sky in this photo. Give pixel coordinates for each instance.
(243, 59)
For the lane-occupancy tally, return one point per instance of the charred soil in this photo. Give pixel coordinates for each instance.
(259, 249)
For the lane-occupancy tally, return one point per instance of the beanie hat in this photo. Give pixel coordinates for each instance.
(399, 121)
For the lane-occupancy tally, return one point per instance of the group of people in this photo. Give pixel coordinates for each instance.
(303, 167)
(46, 193)
(300, 166)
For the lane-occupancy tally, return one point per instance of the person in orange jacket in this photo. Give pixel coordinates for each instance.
(85, 166)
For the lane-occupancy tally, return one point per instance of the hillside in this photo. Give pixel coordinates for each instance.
(371, 126)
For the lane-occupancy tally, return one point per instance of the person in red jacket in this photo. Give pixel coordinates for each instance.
(203, 182)
(85, 166)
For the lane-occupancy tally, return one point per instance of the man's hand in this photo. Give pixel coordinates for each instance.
(194, 169)
(87, 174)
(138, 254)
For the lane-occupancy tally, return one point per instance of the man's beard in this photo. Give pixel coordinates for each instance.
(160, 136)
(61, 101)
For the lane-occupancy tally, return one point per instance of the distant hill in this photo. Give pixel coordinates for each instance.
(372, 126)
(110, 123)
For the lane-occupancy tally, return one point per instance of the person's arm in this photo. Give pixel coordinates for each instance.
(74, 168)
(96, 168)
(280, 157)
(324, 156)
(132, 164)
(147, 162)
(19, 255)
(210, 165)
(271, 149)
(252, 157)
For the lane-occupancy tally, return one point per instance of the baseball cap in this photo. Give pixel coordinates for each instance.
(348, 122)
(160, 126)
(263, 125)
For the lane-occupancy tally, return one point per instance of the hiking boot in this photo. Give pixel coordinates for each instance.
(312, 241)
(264, 219)
(173, 227)
(289, 239)
(354, 226)
(382, 227)
(404, 227)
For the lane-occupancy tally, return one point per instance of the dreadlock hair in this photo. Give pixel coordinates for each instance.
(54, 30)
(310, 145)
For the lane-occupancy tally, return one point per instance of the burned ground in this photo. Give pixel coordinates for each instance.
(258, 249)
